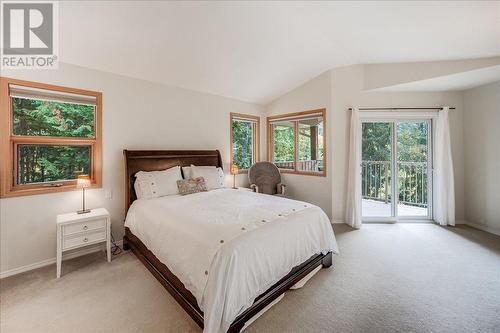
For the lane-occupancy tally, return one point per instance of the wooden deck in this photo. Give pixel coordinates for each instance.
(373, 208)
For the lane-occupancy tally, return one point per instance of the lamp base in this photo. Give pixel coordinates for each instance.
(83, 211)
(234, 188)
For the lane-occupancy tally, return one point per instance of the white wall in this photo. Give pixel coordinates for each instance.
(136, 115)
(337, 90)
(383, 75)
(482, 156)
(314, 94)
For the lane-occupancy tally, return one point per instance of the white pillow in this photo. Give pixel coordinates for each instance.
(214, 177)
(156, 184)
(187, 170)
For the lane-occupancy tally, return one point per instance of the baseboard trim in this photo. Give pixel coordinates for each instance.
(491, 230)
(51, 261)
(337, 221)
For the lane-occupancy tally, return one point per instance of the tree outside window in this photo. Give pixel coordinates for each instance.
(244, 140)
(51, 135)
(297, 142)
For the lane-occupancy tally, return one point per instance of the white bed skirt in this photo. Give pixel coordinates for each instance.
(298, 285)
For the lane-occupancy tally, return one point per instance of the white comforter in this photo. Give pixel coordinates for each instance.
(229, 246)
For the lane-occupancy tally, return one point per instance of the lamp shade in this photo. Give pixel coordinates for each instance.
(83, 181)
(234, 169)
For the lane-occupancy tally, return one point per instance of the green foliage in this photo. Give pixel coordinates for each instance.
(242, 143)
(308, 153)
(412, 139)
(43, 163)
(284, 142)
(376, 144)
(43, 118)
(305, 144)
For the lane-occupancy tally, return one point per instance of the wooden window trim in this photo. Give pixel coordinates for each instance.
(256, 135)
(9, 142)
(294, 116)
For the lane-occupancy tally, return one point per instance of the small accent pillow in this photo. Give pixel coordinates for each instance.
(155, 184)
(214, 177)
(190, 186)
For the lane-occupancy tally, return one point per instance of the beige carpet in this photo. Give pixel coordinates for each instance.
(388, 278)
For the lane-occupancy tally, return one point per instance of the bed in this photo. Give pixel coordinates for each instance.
(225, 255)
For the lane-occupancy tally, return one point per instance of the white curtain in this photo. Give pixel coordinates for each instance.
(444, 187)
(353, 204)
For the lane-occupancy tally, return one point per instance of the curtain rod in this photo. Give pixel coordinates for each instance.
(392, 109)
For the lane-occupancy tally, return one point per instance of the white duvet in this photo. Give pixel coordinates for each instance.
(229, 246)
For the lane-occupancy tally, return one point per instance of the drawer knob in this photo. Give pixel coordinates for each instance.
(85, 227)
(85, 239)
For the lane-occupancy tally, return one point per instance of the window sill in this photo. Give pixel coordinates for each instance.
(304, 173)
(19, 192)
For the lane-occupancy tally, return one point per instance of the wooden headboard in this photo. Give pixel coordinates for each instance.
(154, 160)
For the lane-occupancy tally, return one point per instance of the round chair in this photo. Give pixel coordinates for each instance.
(265, 177)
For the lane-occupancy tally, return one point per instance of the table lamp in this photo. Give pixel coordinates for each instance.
(82, 182)
(234, 172)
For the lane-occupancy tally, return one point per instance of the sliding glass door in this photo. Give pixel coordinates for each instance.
(412, 160)
(376, 167)
(396, 163)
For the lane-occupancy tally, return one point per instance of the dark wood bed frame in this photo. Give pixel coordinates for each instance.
(150, 160)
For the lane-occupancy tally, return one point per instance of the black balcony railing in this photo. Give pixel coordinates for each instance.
(412, 182)
(309, 165)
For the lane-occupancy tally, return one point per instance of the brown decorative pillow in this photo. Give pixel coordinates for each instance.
(190, 186)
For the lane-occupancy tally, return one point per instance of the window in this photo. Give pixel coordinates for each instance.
(50, 135)
(244, 140)
(297, 142)
(283, 133)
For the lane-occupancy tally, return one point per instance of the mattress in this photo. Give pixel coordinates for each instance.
(229, 246)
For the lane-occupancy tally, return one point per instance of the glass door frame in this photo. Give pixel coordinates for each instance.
(430, 163)
(393, 217)
(394, 118)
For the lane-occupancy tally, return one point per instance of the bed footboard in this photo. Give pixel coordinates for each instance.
(327, 260)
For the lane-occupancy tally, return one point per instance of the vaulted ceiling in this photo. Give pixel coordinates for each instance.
(256, 51)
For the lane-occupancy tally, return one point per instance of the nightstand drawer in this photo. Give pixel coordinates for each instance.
(83, 226)
(86, 238)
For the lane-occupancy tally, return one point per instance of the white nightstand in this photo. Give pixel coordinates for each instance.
(79, 230)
